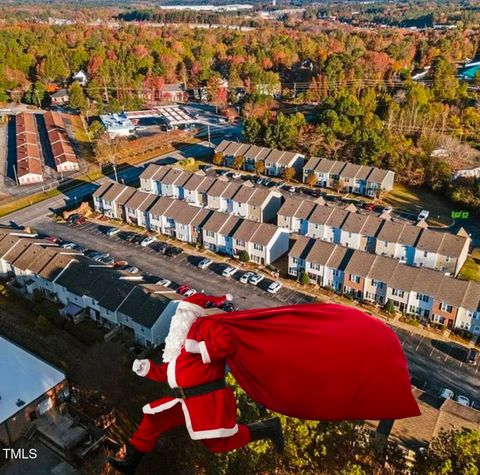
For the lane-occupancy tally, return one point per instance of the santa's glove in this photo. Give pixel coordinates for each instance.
(141, 367)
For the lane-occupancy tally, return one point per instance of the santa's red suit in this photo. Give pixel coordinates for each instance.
(209, 417)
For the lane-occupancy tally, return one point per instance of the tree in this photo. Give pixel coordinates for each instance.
(77, 98)
(109, 151)
(96, 129)
(450, 453)
(445, 82)
(389, 306)
(311, 179)
(238, 162)
(289, 173)
(218, 159)
(260, 167)
(284, 131)
(3, 95)
(252, 130)
(244, 256)
(304, 278)
(37, 95)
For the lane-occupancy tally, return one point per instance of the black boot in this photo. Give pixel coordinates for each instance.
(128, 464)
(268, 429)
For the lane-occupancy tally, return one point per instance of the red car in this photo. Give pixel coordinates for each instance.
(54, 239)
(76, 219)
(182, 289)
(370, 206)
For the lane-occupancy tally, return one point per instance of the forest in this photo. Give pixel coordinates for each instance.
(367, 108)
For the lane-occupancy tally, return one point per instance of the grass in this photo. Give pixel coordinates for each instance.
(471, 268)
(415, 199)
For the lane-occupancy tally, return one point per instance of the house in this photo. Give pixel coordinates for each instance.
(62, 150)
(277, 161)
(196, 187)
(172, 93)
(293, 215)
(118, 125)
(255, 203)
(110, 200)
(217, 233)
(81, 77)
(137, 207)
(29, 388)
(29, 167)
(59, 98)
(348, 177)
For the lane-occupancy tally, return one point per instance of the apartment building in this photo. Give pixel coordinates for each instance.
(275, 161)
(377, 279)
(349, 177)
(242, 199)
(62, 150)
(29, 167)
(415, 245)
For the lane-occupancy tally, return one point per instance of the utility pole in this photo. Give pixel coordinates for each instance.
(208, 132)
(114, 165)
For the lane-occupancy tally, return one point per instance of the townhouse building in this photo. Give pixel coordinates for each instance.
(220, 232)
(275, 161)
(349, 177)
(84, 288)
(377, 279)
(414, 245)
(257, 203)
(29, 166)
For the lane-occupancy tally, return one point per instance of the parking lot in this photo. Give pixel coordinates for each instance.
(181, 269)
(436, 364)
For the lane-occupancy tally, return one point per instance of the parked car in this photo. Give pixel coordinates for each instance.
(246, 277)
(387, 209)
(229, 271)
(173, 251)
(147, 241)
(274, 287)
(472, 356)
(98, 256)
(182, 289)
(76, 219)
(463, 400)
(292, 189)
(73, 246)
(446, 393)
(173, 285)
(137, 239)
(370, 206)
(132, 270)
(91, 253)
(189, 293)
(112, 231)
(228, 307)
(54, 239)
(255, 279)
(204, 263)
(164, 282)
(424, 214)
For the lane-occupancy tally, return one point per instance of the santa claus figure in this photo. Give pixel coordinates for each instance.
(194, 367)
(315, 361)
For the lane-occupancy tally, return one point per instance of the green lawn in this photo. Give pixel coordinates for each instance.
(416, 199)
(471, 268)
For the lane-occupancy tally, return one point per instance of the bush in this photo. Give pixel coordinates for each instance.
(244, 256)
(42, 325)
(304, 279)
(389, 307)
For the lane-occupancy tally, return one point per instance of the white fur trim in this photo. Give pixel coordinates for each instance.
(171, 377)
(204, 352)
(142, 372)
(148, 409)
(192, 346)
(191, 307)
(205, 434)
(229, 297)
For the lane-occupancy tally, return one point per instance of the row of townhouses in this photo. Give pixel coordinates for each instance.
(349, 177)
(377, 279)
(220, 232)
(413, 244)
(85, 289)
(275, 161)
(245, 200)
(346, 177)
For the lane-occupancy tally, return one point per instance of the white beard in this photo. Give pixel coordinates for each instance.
(180, 325)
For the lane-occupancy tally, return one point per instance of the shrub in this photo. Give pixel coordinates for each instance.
(42, 325)
(244, 256)
(389, 307)
(304, 279)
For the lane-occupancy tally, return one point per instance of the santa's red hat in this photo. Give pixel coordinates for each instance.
(202, 300)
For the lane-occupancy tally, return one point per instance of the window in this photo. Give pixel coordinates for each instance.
(397, 292)
(447, 259)
(423, 297)
(349, 235)
(377, 283)
(294, 260)
(355, 278)
(315, 266)
(258, 247)
(386, 243)
(210, 233)
(445, 307)
(239, 242)
(425, 254)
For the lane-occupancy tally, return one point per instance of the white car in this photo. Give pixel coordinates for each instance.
(246, 277)
(292, 189)
(189, 293)
(204, 263)
(446, 393)
(387, 209)
(69, 245)
(255, 279)
(229, 271)
(147, 241)
(463, 400)
(236, 175)
(274, 287)
(164, 282)
(132, 270)
(112, 231)
(424, 214)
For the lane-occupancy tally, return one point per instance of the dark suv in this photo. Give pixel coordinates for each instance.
(472, 356)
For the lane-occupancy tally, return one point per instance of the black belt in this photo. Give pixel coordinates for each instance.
(184, 393)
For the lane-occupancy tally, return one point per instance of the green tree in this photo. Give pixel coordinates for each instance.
(389, 307)
(304, 278)
(445, 82)
(37, 95)
(283, 131)
(244, 256)
(96, 129)
(450, 453)
(3, 95)
(252, 130)
(77, 97)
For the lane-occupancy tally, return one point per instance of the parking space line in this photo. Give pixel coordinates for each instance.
(448, 354)
(419, 343)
